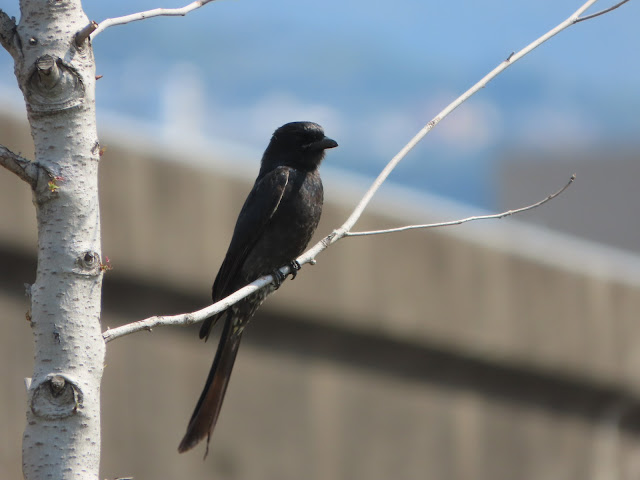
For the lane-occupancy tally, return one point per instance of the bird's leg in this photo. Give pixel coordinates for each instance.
(294, 266)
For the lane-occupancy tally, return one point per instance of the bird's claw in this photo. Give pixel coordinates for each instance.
(294, 266)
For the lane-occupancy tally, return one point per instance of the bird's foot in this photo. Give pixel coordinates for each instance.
(278, 277)
(294, 266)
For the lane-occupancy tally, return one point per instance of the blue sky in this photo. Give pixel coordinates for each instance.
(372, 73)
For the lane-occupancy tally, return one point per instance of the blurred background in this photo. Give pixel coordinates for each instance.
(502, 350)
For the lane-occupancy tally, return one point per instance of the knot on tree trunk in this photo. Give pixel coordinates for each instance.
(56, 397)
(53, 86)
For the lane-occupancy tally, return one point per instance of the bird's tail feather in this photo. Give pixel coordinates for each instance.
(209, 404)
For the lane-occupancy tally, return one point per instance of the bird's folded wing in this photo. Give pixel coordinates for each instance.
(257, 211)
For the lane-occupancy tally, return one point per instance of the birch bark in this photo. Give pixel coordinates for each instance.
(56, 74)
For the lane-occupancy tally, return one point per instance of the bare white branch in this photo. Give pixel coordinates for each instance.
(23, 168)
(464, 220)
(156, 12)
(185, 319)
(310, 255)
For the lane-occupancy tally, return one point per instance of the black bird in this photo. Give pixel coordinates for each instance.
(275, 225)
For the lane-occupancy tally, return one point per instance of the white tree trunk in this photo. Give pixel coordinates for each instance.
(57, 78)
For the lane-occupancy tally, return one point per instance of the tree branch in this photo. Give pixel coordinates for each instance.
(25, 169)
(156, 12)
(186, 319)
(510, 60)
(85, 33)
(465, 220)
(310, 255)
(7, 33)
(601, 12)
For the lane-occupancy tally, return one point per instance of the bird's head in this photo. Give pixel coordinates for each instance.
(299, 145)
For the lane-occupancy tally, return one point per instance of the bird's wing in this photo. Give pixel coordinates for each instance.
(261, 204)
(258, 208)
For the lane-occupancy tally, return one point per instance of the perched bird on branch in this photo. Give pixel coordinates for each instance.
(274, 227)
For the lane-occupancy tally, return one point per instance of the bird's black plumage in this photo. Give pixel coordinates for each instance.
(275, 225)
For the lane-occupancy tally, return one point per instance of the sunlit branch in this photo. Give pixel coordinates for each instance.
(156, 12)
(464, 220)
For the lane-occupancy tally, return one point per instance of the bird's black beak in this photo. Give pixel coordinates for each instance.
(323, 144)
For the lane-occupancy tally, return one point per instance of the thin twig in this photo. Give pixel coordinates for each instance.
(156, 12)
(464, 220)
(601, 12)
(23, 168)
(310, 255)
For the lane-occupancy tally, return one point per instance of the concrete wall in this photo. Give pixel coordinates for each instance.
(491, 351)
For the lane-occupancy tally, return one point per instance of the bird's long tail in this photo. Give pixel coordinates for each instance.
(208, 407)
